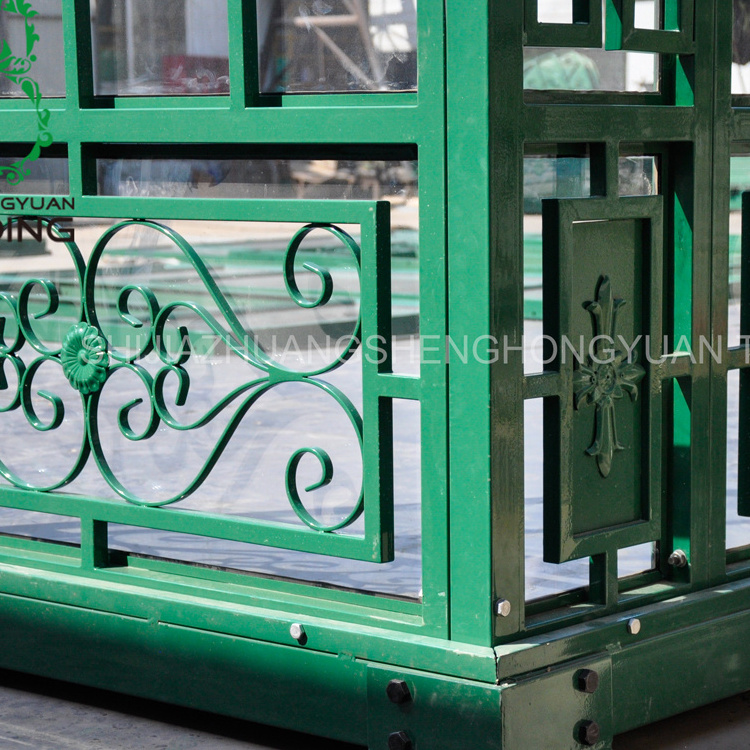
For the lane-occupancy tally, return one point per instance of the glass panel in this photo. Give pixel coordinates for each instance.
(45, 527)
(555, 11)
(400, 578)
(309, 179)
(738, 527)
(544, 177)
(337, 45)
(48, 66)
(48, 175)
(246, 261)
(634, 560)
(589, 70)
(316, 179)
(639, 175)
(741, 48)
(542, 579)
(173, 47)
(647, 14)
(739, 180)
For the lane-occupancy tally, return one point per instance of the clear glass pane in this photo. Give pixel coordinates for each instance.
(647, 14)
(337, 45)
(639, 175)
(739, 181)
(316, 179)
(309, 179)
(168, 47)
(402, 577)
(45, 527)
(544, 177)
(589, 70)
(542, 579)
(555, 11)
(741, 48)
(634, 560)
(48, 175)
(47, 66)
(246, 262)
(738, 527)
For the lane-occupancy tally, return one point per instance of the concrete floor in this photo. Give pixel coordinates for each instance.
(39, 714)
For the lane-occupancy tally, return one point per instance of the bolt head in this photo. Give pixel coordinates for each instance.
(588, 681)
(678, 559)
(399, 741)
(398, 692)
(634, 626)
(503, 607)
(297, 632)
(589, 733)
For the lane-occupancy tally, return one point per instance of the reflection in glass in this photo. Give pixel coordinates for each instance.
(589, 70)
(738, 527)
(173, 47)
(648, 15)
(310, 179)
(49, 175)
(555, 11)
(741, 48)
(639, 175)
(45, 527)
(542, 579)
(543, 177)
(739, 183)
(634, 560)
(337, 45)
(48, 67)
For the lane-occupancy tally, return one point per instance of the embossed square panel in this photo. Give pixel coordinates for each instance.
(674, 34)
(602, 313)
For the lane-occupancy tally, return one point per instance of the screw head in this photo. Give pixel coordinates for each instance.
(634, 626)
(399, 741)
(589, 733)
(398, 692)
(297, 632)
(678, 559)
(588, 681)
(503, 607)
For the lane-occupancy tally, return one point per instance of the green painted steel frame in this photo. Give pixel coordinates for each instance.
(82, 122)
(183, 634)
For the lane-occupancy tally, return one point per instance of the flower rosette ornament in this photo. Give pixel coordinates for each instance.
(84, 358)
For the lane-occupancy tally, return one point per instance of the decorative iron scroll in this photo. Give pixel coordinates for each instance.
(17, 68)
(88, 361)
(606, 378)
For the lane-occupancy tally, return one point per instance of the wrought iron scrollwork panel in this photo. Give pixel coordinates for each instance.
(90, 362)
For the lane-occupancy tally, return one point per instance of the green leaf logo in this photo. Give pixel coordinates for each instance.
(18, 69)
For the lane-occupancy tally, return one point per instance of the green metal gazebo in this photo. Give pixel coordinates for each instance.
(375, 371)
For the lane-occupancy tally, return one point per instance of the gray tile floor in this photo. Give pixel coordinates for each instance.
(39, 714)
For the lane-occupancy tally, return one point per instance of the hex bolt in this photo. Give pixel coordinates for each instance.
(634, 626)
(588, 681)
(678, 559)
(297, 632)
(589, 733)
(502, 607)
(399, 741)
(398, 692)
